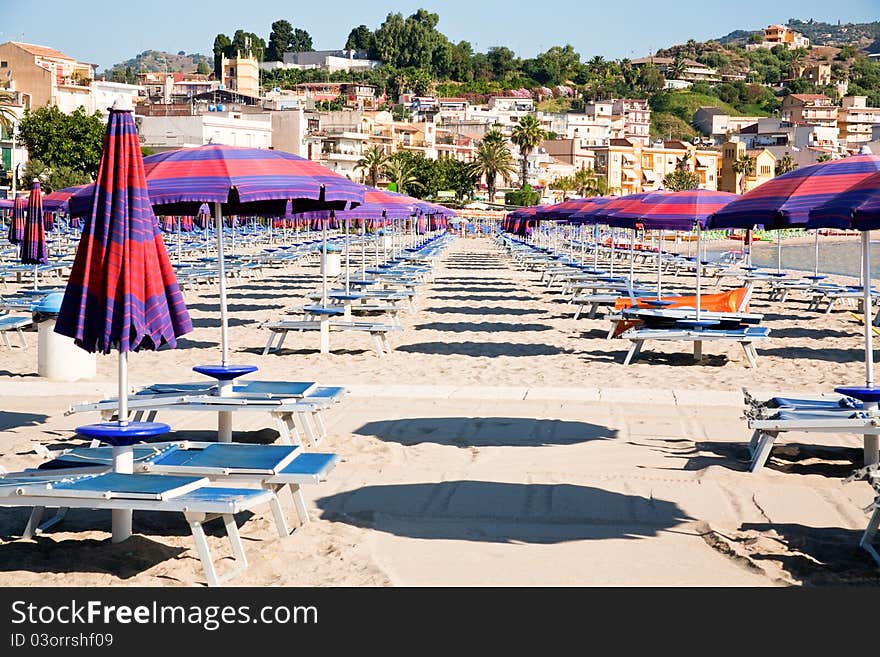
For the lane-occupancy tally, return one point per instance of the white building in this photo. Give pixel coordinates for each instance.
(231, 128)
(329, 60)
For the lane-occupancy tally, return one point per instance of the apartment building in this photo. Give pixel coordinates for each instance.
(739, 183)
(241, 74)
(692, 71)
(811, 109)
(636, 117)
(856, 121)
(717, 124)
(629, 167)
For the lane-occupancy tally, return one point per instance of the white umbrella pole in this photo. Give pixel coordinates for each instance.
(178, 239)
(596, 246)
(324, 223)
(363, 249)
(699, 268)
(221, 270)
(871, 441)
(347, 256)
(816, 266)
(660, 262)
(612, 251)
(123, 456)
(778, 251)
(632, 255)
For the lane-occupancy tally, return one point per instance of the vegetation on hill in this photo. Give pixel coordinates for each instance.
(860, 35)
(151, 61)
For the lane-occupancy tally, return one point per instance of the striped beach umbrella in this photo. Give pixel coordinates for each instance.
(32, 249)
(122, 293)
(786, 201)
(16, 226)
(49, 221)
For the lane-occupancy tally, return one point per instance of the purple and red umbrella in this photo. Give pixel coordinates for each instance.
(786, 201)
(122, 292)
(16, 226)
(32, 249)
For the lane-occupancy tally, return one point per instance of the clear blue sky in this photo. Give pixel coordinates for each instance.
(105, 32)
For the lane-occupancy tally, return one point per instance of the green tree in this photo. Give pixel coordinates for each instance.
(7, 113)
(279, 40)
(825, 157)
(203, 68)
(588, 183)
(677, 68)
(527, 135)
(745, 168)
(522, 197)
(785, 164)
(493, 159)
(502, 60)
(564, 184)
(402, 172)
(301, 41)
(221, 43)
(373, 163)
(454, 175)
(360, 38)
(63, 140)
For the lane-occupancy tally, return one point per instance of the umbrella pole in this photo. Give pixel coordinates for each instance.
(123, 456)
(660, 264)
(36, 270)
(612, 251)
(324, 260)
(816, 265)
(778, 251)
(347, 256)
(871, 441)
(221, 270)
(596, 246)
(699, 267)
(363, 249)
(178, 238)
(632, 255)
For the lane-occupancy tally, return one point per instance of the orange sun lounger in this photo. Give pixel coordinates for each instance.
(723, 302)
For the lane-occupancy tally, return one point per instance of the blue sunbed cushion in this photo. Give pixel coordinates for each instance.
(221, 495)
(326, 392)
(92, 456)
(794, 402)
(789, 414)
(310, 463)
(144, 484)
(238, 457)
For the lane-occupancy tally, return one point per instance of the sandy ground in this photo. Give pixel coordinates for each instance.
(502, 442)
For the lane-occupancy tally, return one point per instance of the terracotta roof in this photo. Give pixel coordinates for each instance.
(42, 51)
(810, 96)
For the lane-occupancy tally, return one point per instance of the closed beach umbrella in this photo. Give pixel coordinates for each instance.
(16, 227)
(122, 293)
(32, 249)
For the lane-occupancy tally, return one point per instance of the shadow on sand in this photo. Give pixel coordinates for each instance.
(496, 512)
(485, 431)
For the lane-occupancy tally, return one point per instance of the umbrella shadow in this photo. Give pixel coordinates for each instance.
(494, 512)
(232, 307)
(213, 322)
(809, 333)
(124, 560)
(830, 354)
(482, 327)
(485, 431)
(185, 343)
(482, 310)
(17, 374)
(15, 420)
(815, 556)
(482, 349)
(480, 297)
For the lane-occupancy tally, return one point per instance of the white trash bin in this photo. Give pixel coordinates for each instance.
(331, 264)
(58, 357)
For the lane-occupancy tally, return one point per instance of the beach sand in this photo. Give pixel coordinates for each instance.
(501, 443)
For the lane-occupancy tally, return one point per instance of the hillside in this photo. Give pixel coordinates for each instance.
(865, 36)
(672, 112)
(157, 60)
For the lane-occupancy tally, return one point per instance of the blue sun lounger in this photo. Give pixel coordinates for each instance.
(189, 495)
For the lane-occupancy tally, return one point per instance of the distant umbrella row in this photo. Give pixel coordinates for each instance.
(843, 194)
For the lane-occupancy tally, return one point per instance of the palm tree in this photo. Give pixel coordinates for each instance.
(7, 114)
(564, 184)
(493, 159)
(677, 68)
(588, 183)
(785, 165)
(527, 135)
(402, 172)
(745, 167)
(373, 162)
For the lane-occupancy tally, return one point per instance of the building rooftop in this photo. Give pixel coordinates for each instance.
(806, 97)
(42, 51)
